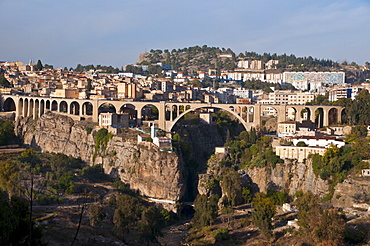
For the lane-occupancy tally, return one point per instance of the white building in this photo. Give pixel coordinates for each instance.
(113, 120)
(299, 153)
(242, 92)
(318, 141)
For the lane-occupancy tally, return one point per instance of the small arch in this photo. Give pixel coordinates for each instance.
(63, 107)
(20, 106)
(150, 112)
(181, 109)
(333, 116)
(25, 108)
(9, 105)
(305, 114)
(130, 110)
(87, 108)
(174, 111)
(167, 112)
(37, 108)
(47, 105)
(74, 108)
(250, 114)
(319, 117)
(292, 114)
(106, 108)
(54, 106)
(42, 107)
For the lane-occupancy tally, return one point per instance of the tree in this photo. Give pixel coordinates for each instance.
(151, 224)
(31, 164)
(318, 224)
(96, 214)
(39, 65)
(9, 177)
(231, 186)
(127, 213)
(263, 212)
(6, 132)
(4, 82)
(89, 86)
(14, 223)
(206, 210)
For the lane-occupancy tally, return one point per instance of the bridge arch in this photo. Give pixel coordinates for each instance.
(74, 108)
(9, 105)
(319, 117)
(149, 112)
(106, 108)
(54, 106)
(48, 105)
(292, 114)
(25, 107)
(129, 109)
(241, 120)
(333, 116)
(63, 107)
(42, 107)
(87, 108)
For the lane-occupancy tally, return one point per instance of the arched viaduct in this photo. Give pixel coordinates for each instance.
(167, 114)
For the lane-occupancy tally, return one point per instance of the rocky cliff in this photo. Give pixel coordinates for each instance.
(290, 176)
(143, 166)
(353, 192)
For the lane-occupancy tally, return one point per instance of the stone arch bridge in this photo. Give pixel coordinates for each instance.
(165, 114)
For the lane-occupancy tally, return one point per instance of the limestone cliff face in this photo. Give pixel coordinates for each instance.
(153, 173)
(353, 192)
(291, 176)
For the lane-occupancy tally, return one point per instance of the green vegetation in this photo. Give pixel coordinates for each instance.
(14, 222)
(226, 126)
(39, 66)
(4, 82)
(96, 214)
(265, 86)
(102, 138)
(250, 149)
(206, 210)
(320, 225)
(7, 135)
(42, 179)
(89, 130)
(264, 210)
(105, 69)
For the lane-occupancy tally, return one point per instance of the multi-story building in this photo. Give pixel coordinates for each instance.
(113, 120)
(344, 92)
(312, 80)
(242, 92)
(289, 97)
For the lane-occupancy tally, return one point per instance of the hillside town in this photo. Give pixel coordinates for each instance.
(170, 85)
(177, 87)
(291, 120)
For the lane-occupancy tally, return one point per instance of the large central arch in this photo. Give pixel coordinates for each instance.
(171, 124)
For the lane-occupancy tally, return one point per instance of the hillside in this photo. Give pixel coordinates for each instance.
(203, 58)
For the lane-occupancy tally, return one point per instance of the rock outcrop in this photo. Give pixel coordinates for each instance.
(143, 166)
(290, 176)
(352, 192)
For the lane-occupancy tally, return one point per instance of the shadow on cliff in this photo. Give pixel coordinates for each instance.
(33, 144)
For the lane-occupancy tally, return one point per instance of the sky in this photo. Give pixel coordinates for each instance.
(114, 32)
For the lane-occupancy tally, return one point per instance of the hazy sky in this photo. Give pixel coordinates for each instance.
(114, 32)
